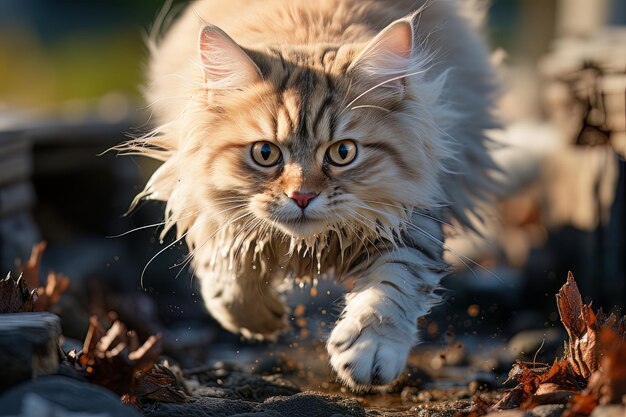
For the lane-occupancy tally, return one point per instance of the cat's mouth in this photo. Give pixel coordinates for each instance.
(302, 225)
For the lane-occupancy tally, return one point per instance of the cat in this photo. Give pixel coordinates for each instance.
(334, 137)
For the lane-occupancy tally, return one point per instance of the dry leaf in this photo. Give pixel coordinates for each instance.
(158, 384)
(608, 384)
(539, 385)
(612, 382)
(595, 358)
(580, 324)
(31, 269)
(511, 399)
(56, 284)
(15, 296)
(52, 292)
(116, 359)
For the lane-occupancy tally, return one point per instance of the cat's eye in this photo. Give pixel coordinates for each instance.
(342, 152)
(265, 154)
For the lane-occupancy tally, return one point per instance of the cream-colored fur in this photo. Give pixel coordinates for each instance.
(408, 81)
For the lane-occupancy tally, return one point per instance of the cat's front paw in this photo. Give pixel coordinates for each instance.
(262, 317)
(362, 357)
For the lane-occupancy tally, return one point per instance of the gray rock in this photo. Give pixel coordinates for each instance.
(235, 384)
(28, 346)
(306, 404)
(506, 413)
(612, 410)
(433, 413)
(62, 397)
(313, 404)
(548, 410)
(202, 407)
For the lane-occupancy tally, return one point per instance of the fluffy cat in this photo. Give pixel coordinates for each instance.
(329, 137)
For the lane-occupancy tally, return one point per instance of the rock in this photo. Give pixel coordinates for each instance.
(612, 410)
(28, 346)
(306, 404)
(227, 382)
(548, 410)
(433, 413)
(312, 404)
(506, 413)
(202, 407)
(56, 396)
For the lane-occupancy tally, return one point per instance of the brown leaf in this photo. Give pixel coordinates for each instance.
(55, 286)
(31, 269)
(595, 357)
(49, 295)
(114, 358)
(609, 384)
(559, 376)
(15, 296)
(158, 384)
(511, 399)
(580, 324)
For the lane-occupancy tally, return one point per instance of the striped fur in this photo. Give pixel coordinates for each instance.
(304, 75)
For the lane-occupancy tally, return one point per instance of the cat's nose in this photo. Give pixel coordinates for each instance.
(302, 199)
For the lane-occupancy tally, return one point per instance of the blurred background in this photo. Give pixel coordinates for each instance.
(70, 82)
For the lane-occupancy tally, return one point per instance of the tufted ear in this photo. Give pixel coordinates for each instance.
(387, 58)
(225, 65)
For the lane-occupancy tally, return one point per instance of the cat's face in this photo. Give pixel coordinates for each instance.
(309, 140)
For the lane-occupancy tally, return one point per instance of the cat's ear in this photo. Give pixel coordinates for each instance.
(225, 65)
(387, 58)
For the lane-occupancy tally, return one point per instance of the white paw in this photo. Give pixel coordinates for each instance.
(374, 355)
(262, 318)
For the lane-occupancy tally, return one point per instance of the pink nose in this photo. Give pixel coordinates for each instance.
(302, 199)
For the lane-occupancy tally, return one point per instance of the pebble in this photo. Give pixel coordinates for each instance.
(306, 404)
(548, 410)
(612, 410)
(60, 396)
(28, 346)
(507, 413)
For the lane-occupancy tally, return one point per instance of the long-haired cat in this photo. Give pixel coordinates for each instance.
(330, 137)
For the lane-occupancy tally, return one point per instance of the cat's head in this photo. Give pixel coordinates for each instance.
(303, 139)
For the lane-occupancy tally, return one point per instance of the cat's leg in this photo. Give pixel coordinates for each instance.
(378, 326)
(244, 303)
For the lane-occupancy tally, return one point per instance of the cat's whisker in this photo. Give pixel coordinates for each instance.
(412, 211)
(370, 106)
(356, 233)
(251, 230)
(179, 239)
(246, 226)
(399, 77)
(192, 254)
(161, 251)
(363, 221)
(345, 97)
(461, 257)
(148, 226)
(207, 240)
(228, 223)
